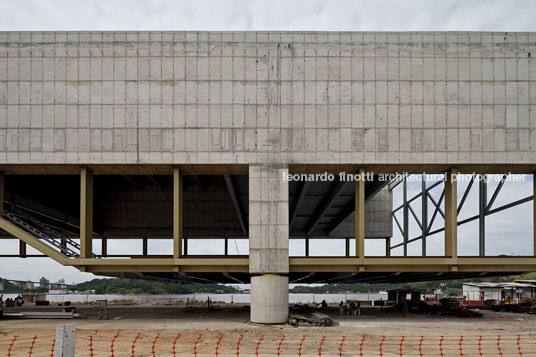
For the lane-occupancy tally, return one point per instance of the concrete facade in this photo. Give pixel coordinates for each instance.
(237, 97)
(269, 101)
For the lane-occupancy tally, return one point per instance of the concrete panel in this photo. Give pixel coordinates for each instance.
(378, 219)
(268, 219)
(342, 98)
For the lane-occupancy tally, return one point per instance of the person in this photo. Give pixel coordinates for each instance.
(341, 308)
(1, 301)
(19, 301)
(324, 304)
(352, 308)
(358, 308)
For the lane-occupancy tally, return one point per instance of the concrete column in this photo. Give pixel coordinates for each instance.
(269, 299)
(177, 213)
(86, 213)
(451, 214)
(1, 194)
(268, 243)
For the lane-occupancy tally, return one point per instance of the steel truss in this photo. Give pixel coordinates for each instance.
(485, 208)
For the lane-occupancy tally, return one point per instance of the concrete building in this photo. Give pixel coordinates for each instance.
(44, 283)
(187, 135)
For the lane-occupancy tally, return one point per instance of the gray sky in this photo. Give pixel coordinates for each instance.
(296, 15)
(508, 232)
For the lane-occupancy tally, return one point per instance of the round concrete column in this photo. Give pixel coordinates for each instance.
(269, 299)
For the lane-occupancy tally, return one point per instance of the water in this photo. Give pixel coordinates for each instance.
(227, 298)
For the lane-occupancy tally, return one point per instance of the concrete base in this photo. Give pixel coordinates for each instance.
(269, 299)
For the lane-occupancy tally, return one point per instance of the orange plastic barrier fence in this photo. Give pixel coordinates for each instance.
(35, 345)
(174, 343)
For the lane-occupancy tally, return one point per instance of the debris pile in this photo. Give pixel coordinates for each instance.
(316, 319)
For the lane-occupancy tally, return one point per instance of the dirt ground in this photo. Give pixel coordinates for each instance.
(372, 321)
(171, 331)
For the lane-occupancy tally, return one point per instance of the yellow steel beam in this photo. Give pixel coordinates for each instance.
(313, 264)
(33, 241)
(164, 261)
(177, 213)
(360, 216)
(86, 213)
(451, 214)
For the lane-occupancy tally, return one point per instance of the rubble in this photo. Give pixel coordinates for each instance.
(316, 319)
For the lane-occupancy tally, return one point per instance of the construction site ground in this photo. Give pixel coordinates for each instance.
(235, 319)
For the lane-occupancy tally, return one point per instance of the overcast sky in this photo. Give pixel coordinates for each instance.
(294, 15)
(511, 231)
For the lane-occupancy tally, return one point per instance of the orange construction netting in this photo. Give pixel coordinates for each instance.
(114, 343)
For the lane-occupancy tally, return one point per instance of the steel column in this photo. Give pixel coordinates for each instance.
(424, 209)
(534, 210)
(482, 208)
(388, 246)
(177, 213)
(360, 216)
(22, 249)
(145, 248)
(86, 213)
(451, 214)
(405, 217)
(104, 247)
(306, 246)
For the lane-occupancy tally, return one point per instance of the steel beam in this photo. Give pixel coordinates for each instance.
(451, 213)
(233, 191)
(482, 208)
(424, 212)
(34, 242)
(302, 190)
(86, 213)
(325, 205)
(405, 217)
(360, 216)
(177, 213)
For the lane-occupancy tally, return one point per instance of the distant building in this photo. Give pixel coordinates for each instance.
(44, 283)
(493, 293)
(59, 285)
(1, 284)
(29, 285)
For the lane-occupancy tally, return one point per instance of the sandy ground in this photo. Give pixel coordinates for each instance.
(372, 322)
(171, 331)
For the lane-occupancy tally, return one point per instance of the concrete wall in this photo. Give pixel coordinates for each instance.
(378, 217)
(237, 97)
(131, 212)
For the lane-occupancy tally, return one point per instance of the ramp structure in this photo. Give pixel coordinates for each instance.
(181, 137)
